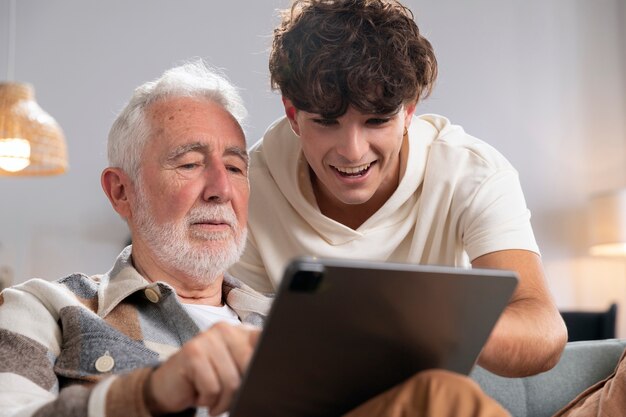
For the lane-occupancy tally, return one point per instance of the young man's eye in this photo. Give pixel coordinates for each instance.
(377, 121)
(325, 122)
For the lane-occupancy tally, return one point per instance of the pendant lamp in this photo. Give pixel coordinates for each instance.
(31, 141)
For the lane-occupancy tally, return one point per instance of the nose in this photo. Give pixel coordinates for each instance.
(217, 188)
(352, 145)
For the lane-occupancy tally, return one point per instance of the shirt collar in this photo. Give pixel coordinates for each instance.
(120, 282)
(123, 280)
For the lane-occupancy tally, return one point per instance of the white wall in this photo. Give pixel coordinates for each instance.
(542, 81)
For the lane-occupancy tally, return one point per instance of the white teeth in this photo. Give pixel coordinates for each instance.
(353, 170)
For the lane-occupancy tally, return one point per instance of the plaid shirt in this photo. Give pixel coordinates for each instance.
(82, 346)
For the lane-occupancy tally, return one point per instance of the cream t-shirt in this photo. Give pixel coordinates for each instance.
(458, 199)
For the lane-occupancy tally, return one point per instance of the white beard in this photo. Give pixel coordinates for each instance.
(173, 242)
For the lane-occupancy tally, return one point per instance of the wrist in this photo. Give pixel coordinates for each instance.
(150, 400)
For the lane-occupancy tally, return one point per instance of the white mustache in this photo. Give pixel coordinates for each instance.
(213, 214)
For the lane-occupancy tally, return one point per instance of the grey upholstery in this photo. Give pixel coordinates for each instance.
(582, 365)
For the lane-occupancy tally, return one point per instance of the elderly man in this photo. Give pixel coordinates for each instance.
(89, 345)
(161, 332)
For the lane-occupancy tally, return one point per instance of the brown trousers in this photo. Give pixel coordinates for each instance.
(444, 394)
(607, 398)
(434, 393)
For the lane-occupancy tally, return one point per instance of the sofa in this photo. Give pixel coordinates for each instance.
(581, 365)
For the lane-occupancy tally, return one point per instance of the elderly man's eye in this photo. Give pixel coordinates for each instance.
(189, 166)
(235, 169)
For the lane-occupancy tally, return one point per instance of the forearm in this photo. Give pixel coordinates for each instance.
(528, 339)
(29, 387)
(20, 396)
(114, 396)
(126, 395)
(28, 382)
(530, 335)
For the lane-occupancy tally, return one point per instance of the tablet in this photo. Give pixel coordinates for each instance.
(340, 332)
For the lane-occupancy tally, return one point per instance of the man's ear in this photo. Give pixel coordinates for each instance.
(409, 109)
(117, 186)
(290, 112)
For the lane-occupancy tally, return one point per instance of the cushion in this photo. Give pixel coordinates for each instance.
(581, 365)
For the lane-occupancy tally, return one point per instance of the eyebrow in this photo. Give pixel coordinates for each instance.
(183, 149)
(385, 114)
(238, 152)
(204, 148)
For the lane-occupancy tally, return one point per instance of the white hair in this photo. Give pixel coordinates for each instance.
(130, 130)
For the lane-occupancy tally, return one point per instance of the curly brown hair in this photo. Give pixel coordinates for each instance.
(329, 54)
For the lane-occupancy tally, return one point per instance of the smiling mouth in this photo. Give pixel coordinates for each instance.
(353, 171)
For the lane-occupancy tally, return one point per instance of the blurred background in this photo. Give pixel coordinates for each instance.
(542, 81)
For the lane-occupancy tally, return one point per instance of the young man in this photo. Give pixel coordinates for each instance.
(350, 172)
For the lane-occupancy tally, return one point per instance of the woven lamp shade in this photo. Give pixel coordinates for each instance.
(31, 141)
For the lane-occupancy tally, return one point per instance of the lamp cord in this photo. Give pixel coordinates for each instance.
(11, 49)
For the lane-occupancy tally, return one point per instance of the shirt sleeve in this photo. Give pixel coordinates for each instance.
(497, 217)
(29, 385)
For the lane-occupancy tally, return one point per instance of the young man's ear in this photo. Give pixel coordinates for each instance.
(409, 109)
(290, 112)
(117, 186)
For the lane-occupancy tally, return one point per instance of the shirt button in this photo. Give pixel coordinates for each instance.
(105, 363)
(152, 295)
